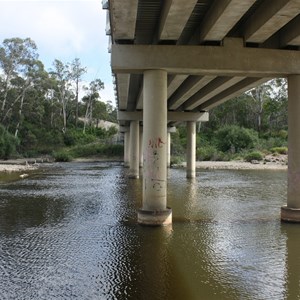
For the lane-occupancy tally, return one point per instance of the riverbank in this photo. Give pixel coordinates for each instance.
(18, 165)
(270, 162)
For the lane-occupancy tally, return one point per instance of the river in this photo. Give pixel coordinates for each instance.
(70, 232)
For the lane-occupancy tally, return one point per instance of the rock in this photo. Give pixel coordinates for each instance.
(255, 162)
(24, 175)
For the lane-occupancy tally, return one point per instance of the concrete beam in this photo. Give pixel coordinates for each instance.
(233, 91)
(123, 18)
(174, 83)
(213, 88)
(172, 116)
(268, 18)
(190, 86)
(290, 34)
(174, 18)
(228, 60)
(221, 17)
(123, 87)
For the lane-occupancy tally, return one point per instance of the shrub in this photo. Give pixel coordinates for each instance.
(234, 139)
(280, 150)
(62, 156)
(255, 155)
(8, 143)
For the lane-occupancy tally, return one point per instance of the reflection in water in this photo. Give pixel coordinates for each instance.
(70, 233)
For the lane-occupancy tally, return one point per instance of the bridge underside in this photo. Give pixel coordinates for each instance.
(169, 57)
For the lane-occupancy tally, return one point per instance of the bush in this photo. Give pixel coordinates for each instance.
(62, 156)
(8, 143)
(255, 155)
(280, 150)
(209, 152)
(234, 139)
(97, 149)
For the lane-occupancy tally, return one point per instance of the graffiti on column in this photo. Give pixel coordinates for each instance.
(153, 159)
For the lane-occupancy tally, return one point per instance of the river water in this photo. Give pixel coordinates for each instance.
(70, 232)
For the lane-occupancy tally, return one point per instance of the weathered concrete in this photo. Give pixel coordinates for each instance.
(174, 18)
(221, 17)
(191, 150)
(291, 212)
(126, 149)
(228, 60)
(155, 150)
(134, 149)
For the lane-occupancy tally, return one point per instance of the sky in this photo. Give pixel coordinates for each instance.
(64, 30)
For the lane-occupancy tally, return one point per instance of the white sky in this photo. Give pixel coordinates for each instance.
(64, 30)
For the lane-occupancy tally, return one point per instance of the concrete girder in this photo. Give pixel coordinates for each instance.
(139, 104)
(189, 87)
(290, 34)
(268, 18)
(171, 116)
(213, 88)
(233, 91)
(174, 82)
(123, 18)
(174, 18)
(123, 87)
(228, 60)
(221, 17)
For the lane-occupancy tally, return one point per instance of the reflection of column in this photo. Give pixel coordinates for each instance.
(134, 149)
(292, 263)
(126, 149)
(154, 210)
(191, 150)
(291, 212)
(141, 147)
(169, 150)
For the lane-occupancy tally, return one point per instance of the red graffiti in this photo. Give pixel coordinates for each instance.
(156, 143)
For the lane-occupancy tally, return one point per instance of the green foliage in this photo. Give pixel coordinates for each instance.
(8, 143)
(97, 149)
(62, 156)
(210, 152)
(75, 137)
(280, 150)
(255, 155)
(234, 139)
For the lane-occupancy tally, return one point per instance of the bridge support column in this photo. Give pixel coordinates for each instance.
(134, 149)
(169, 150)
(141, 148)
(191, 150)
(291, 212)
(126, 149)
(154, 210)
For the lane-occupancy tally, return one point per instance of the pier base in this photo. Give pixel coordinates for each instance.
(155, 218)
(291, 215)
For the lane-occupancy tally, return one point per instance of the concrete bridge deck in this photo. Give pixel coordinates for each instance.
(189, 56)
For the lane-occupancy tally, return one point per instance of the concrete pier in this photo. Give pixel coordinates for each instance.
(134, 150)
(291, 212)
(191, 150)
(126, 149)
(154, 210)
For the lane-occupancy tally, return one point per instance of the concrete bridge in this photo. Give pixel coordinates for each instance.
(174, 60)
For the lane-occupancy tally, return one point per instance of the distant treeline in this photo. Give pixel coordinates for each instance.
(40, 110)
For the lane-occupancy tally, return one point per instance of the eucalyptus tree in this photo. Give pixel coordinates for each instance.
(62, 79)
(92, 90)
(77, 70)
(21, 71)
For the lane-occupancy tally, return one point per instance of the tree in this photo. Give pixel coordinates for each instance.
(21, 70)
(76, 73)
(92, 95)
(62, 78)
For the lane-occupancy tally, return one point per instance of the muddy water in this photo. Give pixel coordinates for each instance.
(69, 232)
